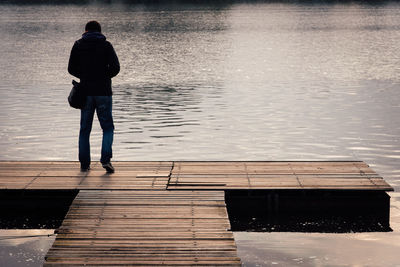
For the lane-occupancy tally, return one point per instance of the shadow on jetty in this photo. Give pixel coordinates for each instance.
(324, 211)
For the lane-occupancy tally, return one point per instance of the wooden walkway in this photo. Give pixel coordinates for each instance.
(145, 228)
(347, 175)
(166, 213)
(67, 175)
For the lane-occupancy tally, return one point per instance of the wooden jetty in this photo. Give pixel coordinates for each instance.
(145, 227)
(275, 175)
(167, 213)
(341, 175)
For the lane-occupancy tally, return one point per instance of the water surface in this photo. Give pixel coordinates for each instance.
(24, 247)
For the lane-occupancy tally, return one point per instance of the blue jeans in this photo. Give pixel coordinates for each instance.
(103, 107)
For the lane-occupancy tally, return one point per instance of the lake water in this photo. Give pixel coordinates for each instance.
(222, 81)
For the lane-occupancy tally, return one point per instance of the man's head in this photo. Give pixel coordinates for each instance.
(93, 26)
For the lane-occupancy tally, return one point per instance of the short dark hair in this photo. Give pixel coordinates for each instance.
(93, 26)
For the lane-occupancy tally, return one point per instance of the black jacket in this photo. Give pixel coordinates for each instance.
(94, 61)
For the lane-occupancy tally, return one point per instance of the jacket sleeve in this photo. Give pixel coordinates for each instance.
(113, 63)
(73, 64)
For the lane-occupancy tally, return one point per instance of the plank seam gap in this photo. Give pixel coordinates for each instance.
(362, 173)
(247, 175)
(297, 177)
(170, 174)
(33, 180)
(83, 179)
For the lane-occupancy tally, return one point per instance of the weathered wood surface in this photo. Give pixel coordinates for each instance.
(346, 175)
(145, 228)
(130, 218)
(67, 175)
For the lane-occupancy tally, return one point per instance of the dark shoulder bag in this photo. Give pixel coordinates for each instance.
(77, 98)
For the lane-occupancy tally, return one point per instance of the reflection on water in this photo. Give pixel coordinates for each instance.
(261, 81)
(156, 107)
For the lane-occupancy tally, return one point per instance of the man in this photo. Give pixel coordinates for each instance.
(94, 61)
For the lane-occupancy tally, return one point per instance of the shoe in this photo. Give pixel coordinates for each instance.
(109, 168)
(83, 169)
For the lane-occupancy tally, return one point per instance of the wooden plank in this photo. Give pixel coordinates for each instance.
(344, 175)
(191, 175)
(129, 218)
(145, 228)
(67, 175)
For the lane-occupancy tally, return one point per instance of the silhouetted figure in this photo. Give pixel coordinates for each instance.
(94, 61)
